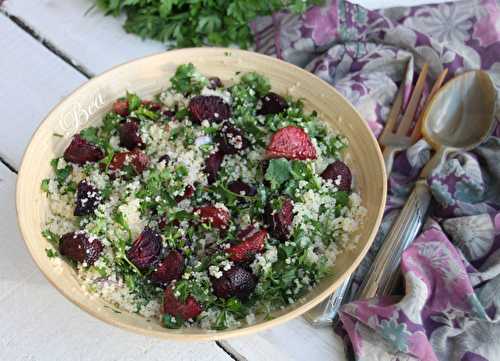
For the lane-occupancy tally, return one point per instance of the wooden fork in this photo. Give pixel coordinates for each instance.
(394, 140)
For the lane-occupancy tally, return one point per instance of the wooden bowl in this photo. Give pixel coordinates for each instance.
(88, 104)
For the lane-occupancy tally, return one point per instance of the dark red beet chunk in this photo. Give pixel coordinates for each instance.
(87, 198)
(212, 166)
(280, 221)
(80, 151)
(136, 157)
(241, 188)
(164, 158)
(231, 139)
(272, 103)
(340, 175)
(129, 135)
(121, 107)
(291, 143)
(169, 269)
(188, 193)
(247, 232)
(214, 82)
(78, 247)
(217, 217)
(172, 306)
(169, 113)
(211, 108)
(236, 282)
(154, 106)
(145, 249)
(249, 247)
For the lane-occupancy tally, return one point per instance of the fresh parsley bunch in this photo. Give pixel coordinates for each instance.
(184, 23)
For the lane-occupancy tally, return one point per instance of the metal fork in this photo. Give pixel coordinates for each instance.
(393, 140)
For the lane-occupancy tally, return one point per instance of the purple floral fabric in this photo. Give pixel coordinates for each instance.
(451, 304)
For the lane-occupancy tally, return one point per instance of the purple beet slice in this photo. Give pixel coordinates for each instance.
(272, 103)
(279, 221)
(87, 198)
(79, 247)
(120, 107)
(145, 249)
(214, 82)
(80, 151)
(241, 188)
(129, 135)
(169, 269)
(340, 175)
(236, 282)
(211, 108)
(212, 166)
(231, 139)
(164, 158)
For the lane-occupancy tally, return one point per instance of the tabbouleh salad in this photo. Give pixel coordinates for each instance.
(208, 205)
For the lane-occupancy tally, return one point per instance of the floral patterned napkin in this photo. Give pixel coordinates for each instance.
(451, 307)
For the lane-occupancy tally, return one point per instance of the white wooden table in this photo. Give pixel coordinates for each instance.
(47, 49)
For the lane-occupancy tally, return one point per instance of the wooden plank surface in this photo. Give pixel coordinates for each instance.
(33, 80)
(39, 324)
(96, 42)
(92, 40)
(295, 340)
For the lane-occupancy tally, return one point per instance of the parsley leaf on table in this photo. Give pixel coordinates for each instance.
(185, 23)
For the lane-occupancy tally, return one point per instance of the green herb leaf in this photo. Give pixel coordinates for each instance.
(173, 322)
(51, 237)
(134, 102)
(45, 185)
(278, 172)
(197, 22)
(188, 80)
(51, 253)
(90, 135)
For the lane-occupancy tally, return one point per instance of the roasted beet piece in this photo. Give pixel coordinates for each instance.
(121, 107)
(118, 161)
(80, 151)
(169, 269)
(87, 198)
(145, 249)
(169, 113)
(214, 82)
(241, 188)
(340, 175)
(231, 139)
(247, 232)
(188, 193)
(291, 143)
(151, 105)
(212, 166)
(236, 282)
(162, 223)
(129, 135)
(164, 158)
(137, 158)
(211, 108)
(272, 103)
(216, 216)
(79, 247)
(280, 220)
(249, 247)
(172, 306)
